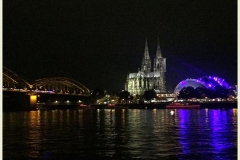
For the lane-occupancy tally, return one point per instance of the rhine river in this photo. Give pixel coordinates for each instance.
(121, 134)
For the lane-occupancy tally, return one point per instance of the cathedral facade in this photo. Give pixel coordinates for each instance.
(150, 76)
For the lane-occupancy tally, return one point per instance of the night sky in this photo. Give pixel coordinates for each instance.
(99, 42)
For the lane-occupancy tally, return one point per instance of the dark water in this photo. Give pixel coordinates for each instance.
(121, 134)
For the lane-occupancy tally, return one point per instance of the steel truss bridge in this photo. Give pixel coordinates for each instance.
(55, 85)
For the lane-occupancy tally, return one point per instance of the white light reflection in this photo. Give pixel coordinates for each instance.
(206, 114)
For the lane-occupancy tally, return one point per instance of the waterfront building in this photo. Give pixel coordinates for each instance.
(208, 82)
(150, 76)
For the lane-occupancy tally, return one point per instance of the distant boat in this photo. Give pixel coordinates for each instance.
(83, 106)
(111, 104)
(177, 105)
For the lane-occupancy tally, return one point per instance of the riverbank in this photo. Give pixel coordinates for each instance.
(209, 105)
(163, 105)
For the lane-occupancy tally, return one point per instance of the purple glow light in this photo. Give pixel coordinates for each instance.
(206, 81)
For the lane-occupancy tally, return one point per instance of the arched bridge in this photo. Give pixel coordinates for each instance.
(57, 85)
(12, 81)
(60, 85)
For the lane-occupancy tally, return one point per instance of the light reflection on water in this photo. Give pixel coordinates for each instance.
(121, 134)
(215, 137)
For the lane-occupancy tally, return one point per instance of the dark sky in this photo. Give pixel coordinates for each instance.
(98, 42)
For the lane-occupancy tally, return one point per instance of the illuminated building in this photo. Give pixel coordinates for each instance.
(204, 82)
(148, 77)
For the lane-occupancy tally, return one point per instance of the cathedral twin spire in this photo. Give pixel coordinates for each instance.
(146, 53)
(146, 62)
(159, 53)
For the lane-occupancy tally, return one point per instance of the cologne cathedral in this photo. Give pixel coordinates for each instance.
(150, 76)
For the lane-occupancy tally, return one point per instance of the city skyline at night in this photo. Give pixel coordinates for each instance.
(97, 44)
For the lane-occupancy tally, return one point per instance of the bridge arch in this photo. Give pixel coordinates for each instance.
(12, 80)
(60, 85)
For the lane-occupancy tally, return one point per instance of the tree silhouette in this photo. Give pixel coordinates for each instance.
(200, 92)
(97, 94)
(149, 94)
(187, 93)
(124, 95)
(220, 92)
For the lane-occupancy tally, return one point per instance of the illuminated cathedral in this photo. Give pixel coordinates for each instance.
(150, 76)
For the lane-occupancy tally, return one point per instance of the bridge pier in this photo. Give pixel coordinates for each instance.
(33, 102)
